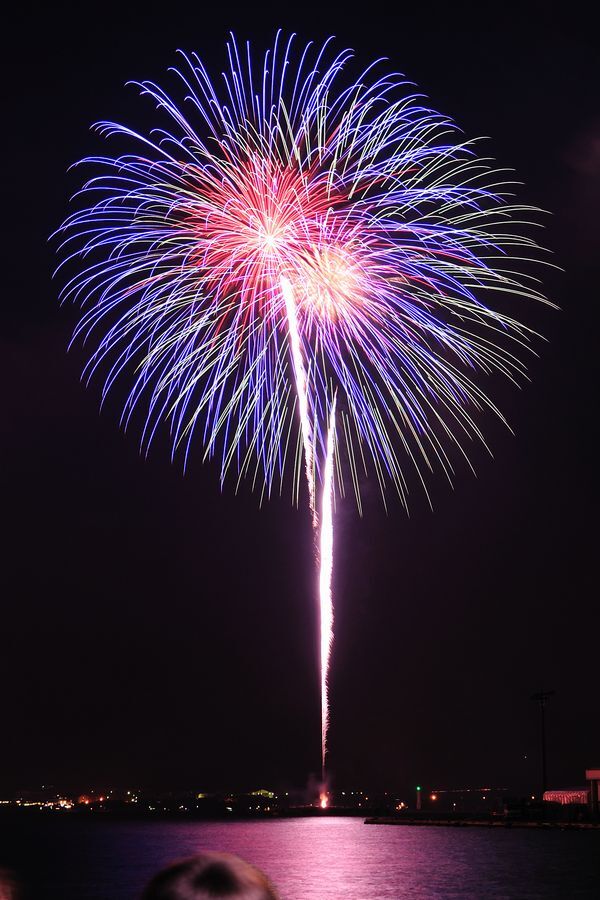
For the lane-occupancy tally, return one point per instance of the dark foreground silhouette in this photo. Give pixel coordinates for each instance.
(208, 876)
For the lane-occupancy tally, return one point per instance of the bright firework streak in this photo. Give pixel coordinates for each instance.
(326, 531)
(301, 392)
(326, 535)
(326, 571)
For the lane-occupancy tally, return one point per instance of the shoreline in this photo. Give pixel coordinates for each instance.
(484, 823)
(98, 816)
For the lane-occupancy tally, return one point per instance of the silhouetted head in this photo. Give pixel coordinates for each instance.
(208, 876)
(8, 886)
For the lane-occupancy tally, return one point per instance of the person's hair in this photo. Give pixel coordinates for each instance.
(8, 886)
(208, 876)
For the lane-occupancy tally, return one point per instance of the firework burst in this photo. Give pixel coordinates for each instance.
(295, 263)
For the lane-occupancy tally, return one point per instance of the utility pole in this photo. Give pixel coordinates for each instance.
(542, 698)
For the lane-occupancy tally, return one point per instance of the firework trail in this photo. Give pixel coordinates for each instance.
(326, 570)
(294, 263)
(302, 393)
(325, 556)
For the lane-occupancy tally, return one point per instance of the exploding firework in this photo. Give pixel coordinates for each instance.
(294, 264)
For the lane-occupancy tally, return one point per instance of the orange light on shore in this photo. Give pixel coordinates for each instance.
(433, 797)
(323, 801)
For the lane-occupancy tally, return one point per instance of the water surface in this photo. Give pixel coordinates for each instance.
(308, 859)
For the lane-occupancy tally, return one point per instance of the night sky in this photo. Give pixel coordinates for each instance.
(155, 631)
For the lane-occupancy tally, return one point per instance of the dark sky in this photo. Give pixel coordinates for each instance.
(157, 631)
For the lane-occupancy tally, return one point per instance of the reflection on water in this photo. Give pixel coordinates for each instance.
(309, 859)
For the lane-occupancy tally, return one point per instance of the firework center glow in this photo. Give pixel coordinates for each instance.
(332, 285)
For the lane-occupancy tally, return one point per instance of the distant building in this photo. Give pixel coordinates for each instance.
(567, 796)
(582, 795)
(593, 778)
